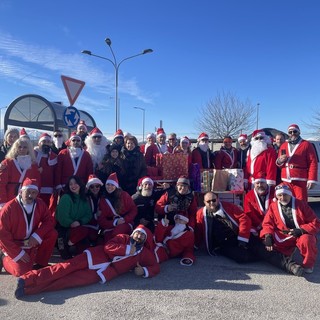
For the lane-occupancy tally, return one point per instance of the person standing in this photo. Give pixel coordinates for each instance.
(298, 162)
(202, 153)
(10, 136)
(27, 234)
(227, 157)
(243, 151)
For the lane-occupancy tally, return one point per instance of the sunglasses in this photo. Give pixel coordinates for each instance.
(259, 138)
(95, 186)
(211, 200)
(57, 135)
(96, 137)
(75, 140)
(292, 132)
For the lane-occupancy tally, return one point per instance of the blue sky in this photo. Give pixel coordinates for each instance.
(265, 51)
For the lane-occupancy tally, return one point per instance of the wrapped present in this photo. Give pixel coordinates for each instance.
(173, 165)
(235, 182)
(206, 180)
(220, 180)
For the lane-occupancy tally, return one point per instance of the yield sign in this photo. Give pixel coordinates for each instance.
(73, 88)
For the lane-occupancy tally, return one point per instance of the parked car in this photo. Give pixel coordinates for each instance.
(315, 192)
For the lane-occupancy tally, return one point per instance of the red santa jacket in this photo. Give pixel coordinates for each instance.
(254, 210)
(67, 167)
(14, 226)
(161, 207)
(302, 162)
(108, 216)
(265, 163)
(226, 160)
(303, 217)
(197, 158)
(47, 168)
(11, 177)
(235, 215)
(116, 253)
(150, 154)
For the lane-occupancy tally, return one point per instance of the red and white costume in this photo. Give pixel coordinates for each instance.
(67, 167)
(300, 168)
(255, 210)
(225, 159)
(150, 154)
(304, 218)
(238, 219)
(15, 229)
(109, 217)
(101, 263)
(47, 164)
(12, 176)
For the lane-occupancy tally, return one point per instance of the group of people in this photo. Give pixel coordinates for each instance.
(95, 203)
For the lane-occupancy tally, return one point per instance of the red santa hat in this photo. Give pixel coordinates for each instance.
(283, 189)
(118, 134)
(93, 179)
(30, 184)
(140, 228)
(143, 180)
(185, 139)
(95, 132)
(160, 132)
(113, 179)
(243, 137)
(23, 133)
(183, 180)
(260, 177)
(82, 124)
(294, 127)
(203, 136)
(74, 135)
(180, 216)
(258, 133)
(45, 136)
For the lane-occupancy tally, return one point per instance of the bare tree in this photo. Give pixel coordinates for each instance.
(314, 125)
(226, 115)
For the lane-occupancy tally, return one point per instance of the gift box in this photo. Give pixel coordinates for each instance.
(235, 182)
(206, 180)
(220, 180)
(172, 165)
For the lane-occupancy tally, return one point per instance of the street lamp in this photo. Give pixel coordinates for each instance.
(258, 104)
(143, 120)
(116, 66)
(1, 120)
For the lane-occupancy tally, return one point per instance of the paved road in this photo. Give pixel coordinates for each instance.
(214, 288)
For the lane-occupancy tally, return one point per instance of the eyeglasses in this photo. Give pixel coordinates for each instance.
(57, 135)
(75, 140)
(259, 138)
(292, 132)
(171, 139)
(96, 137)
(95, 186)
(211, 200)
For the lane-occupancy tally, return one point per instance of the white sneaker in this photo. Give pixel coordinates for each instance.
(308, 270)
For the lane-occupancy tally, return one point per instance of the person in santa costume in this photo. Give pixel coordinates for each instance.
(10, 136)
(150, 150)
(20, 163)
(184, 147)
(172, 142)
(243, 150)
(118, 210)
(227, 156)
(73, 161)
(82, 132)
(289, 224)
(118, 140)
(96, 144)
(27, 234)
(298, 162)
(101, 264)
(161, 141)
(145, 199)
(47, 162)
(202, 153)
(261, 158)
(223, 229)
(72, 214)
(58, 141)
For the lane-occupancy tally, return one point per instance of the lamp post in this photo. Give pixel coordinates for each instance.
(143, 120)
(1, 121)
(258, 104)
(116, 66)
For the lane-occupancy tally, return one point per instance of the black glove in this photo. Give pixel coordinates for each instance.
(242, 244)
(296, 232)
(268, 240)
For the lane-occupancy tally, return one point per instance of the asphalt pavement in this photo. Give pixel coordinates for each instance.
(213, 288)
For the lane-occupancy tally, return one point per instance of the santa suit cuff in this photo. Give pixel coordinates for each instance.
(128, 247)
(166, 209)
(146, 273)
(19, 256)
(271, 182)
(115, 221)
(243, 239)
(36, 236)
(309, 181)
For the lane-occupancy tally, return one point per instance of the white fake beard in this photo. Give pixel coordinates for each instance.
(97, 152)
(204, 146)
(146, 193)
(178, 228)
(163, 148)
(284, 203)
(58, 141)
(24, 162)
(74, 152)
(257, 146)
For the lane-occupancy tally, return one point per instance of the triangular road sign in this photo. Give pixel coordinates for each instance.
(73, 88)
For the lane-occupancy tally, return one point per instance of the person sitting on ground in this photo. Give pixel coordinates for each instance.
(120, 255)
